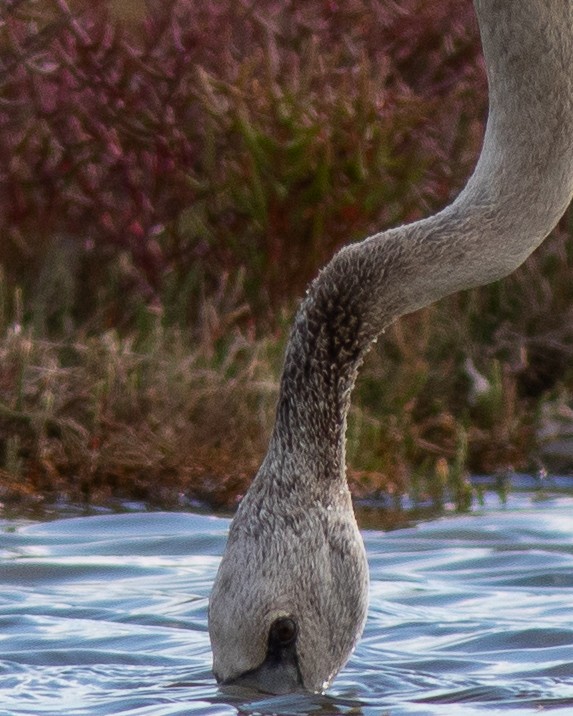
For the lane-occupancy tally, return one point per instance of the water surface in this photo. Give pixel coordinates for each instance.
(469, 615)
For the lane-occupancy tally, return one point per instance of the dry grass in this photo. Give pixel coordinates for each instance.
(453, 389)
(103, 418)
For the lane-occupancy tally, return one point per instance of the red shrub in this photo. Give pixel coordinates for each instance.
(210, 136)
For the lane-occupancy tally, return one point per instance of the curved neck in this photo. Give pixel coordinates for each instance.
(521, 186)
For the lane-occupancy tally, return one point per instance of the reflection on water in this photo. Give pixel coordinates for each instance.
(108, 615)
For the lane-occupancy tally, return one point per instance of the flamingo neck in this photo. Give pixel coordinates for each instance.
(522, 184)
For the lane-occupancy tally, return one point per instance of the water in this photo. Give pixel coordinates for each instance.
(469, 615)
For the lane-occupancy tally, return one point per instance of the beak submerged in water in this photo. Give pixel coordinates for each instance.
(270, 679)
(279, 673)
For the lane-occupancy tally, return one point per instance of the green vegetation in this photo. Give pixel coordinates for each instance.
(171, 179)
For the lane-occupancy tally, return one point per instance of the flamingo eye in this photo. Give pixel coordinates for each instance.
(283, 632)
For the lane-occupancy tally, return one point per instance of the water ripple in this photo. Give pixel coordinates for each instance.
(108, 615)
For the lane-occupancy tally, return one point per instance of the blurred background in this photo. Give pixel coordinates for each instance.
(173, 173)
